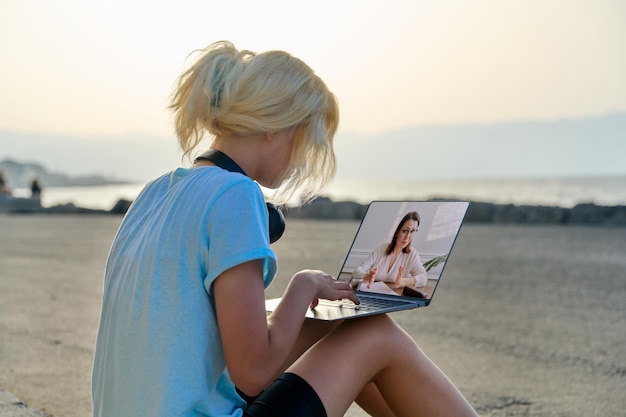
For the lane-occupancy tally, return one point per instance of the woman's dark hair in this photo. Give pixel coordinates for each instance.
(413, 215)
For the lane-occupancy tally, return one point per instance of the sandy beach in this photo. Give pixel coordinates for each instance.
(528, 320)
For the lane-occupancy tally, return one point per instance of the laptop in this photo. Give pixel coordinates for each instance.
(439, 226)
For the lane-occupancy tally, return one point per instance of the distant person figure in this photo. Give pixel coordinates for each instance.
(35, 188)
(396, 262)
(4, 189)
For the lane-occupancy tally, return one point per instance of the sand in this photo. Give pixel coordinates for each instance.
(528, 321)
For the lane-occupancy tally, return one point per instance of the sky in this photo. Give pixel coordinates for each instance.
(91, 68)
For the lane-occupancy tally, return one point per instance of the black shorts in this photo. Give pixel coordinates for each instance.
(288, 396)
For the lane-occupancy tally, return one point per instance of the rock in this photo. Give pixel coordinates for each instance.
(121, 207)
(481, 212)
(10, 204)
(11, 406)
(598, 215)
(325, 209)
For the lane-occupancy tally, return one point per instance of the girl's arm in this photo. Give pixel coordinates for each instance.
(256, 346)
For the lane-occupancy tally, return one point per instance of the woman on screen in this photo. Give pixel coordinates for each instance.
(396, 262)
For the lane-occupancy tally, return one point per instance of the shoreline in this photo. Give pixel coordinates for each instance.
(324, 208)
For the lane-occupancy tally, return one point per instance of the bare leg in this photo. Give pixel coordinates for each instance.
(373, 403)
(375, 349)
(312, 331)
(370, 398)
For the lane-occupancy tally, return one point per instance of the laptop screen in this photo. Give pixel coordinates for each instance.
(402, 247)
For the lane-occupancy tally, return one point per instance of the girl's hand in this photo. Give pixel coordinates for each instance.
(328, 287)
(370, 276)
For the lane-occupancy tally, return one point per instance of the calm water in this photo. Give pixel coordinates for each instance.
(563, 192)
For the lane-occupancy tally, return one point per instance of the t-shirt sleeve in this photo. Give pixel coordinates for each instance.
(237, 229)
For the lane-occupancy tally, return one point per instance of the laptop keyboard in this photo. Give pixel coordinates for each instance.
(368, 303)
(374, 303)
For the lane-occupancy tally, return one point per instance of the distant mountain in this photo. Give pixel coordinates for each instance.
(133, 157)
(20, 174)
(593, 146)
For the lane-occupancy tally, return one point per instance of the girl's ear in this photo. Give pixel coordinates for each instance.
(269, 136)
(284, 133)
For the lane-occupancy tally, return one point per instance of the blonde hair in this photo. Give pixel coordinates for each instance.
(227, 92)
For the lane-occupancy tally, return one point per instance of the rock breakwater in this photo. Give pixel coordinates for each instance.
(324, 208)
(482, 212)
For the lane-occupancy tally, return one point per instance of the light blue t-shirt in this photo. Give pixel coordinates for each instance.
(158, 350)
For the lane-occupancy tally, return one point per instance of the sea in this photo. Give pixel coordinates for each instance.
(559, 192)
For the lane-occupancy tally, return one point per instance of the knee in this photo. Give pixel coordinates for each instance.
(382, 329)
(383, 322)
